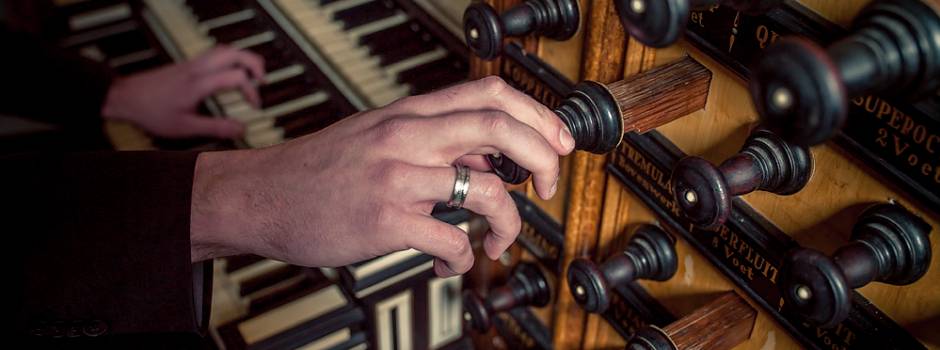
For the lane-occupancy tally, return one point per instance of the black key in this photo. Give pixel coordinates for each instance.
(406, 50)
(285, 90)
(124, 43)
(235, 31)
(139, 66)
(422, 72)
(236, 262)
(275, 53)
(205, 10)
(387, 39)
(365, 13)
(308, 120)
(268, 279)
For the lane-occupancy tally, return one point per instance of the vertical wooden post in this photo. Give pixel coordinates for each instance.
(603, 56)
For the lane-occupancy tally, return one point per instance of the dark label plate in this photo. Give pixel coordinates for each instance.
(541, 235)
(522, 330)
(531, 75)
(748, 250)
(897, 139)
(631, 307)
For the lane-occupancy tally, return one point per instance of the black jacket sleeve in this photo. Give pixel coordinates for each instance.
(45, 83)
(99, 246)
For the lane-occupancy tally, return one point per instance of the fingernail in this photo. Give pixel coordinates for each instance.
(564, 136)
(551, 192)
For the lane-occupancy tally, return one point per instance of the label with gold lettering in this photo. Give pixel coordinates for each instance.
(531, 75)
(631, 309)
(522, 330)
(748, 249)
(897, 139)
(541, 235)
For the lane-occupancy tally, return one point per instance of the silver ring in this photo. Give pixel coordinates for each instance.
(461, 187)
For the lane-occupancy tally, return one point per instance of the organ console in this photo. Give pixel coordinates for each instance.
(659, 23)
(722, 324)
(649, 255)
(484, 29)
(597, 114)
(527, 286)
(622, 94)
(728, 240)
(889, 245)
(765, 163)
(802, 91)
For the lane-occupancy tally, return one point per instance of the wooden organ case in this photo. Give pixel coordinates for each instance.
(792, 203)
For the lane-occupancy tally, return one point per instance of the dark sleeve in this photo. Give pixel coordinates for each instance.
(100, 243)
(48, 84)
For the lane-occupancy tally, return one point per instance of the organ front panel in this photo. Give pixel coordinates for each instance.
(797, 185)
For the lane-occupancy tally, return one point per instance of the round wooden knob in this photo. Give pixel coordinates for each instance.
(593, 117)
(766, 163)
(889, 245)
(802, 91)
(485, 30)
(527, 286)
(659, 23)
(650, 254)
(796, 90)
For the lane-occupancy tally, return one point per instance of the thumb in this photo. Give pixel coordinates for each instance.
(197, 125)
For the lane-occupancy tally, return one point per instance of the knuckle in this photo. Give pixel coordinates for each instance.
(491, 190)
(393, 175)
(493, 85)
(460, 247)
(392, 131)
(495, 122)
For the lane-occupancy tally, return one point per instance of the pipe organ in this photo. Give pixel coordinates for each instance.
(749, 174)
(783, 198)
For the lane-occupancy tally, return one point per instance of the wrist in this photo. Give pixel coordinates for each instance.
(216, 213)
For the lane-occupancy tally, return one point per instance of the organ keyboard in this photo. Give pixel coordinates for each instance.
(325, 59)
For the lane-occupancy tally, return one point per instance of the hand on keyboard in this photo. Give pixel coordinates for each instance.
(163, 101)
(366, 185)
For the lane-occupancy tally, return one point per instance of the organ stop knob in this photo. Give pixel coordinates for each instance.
(659, 23)
(650, 254)
(527, 286)
(484, 29)
(722, 324)
(802, 90)
(597, 114)
(766, 163)
(889, 245)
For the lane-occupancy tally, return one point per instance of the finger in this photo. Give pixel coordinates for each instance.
(476, 162)
(223, 58)
(449, 244)
(233, 78)
(486, 196)
(446, 138)
(212, 127)
(493, 93)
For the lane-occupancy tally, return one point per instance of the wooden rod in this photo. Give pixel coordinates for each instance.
(722, 324)
(663, 94)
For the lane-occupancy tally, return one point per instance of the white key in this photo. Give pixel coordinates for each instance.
(225, 20)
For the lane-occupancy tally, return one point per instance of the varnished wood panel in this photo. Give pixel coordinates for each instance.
(820, 216)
